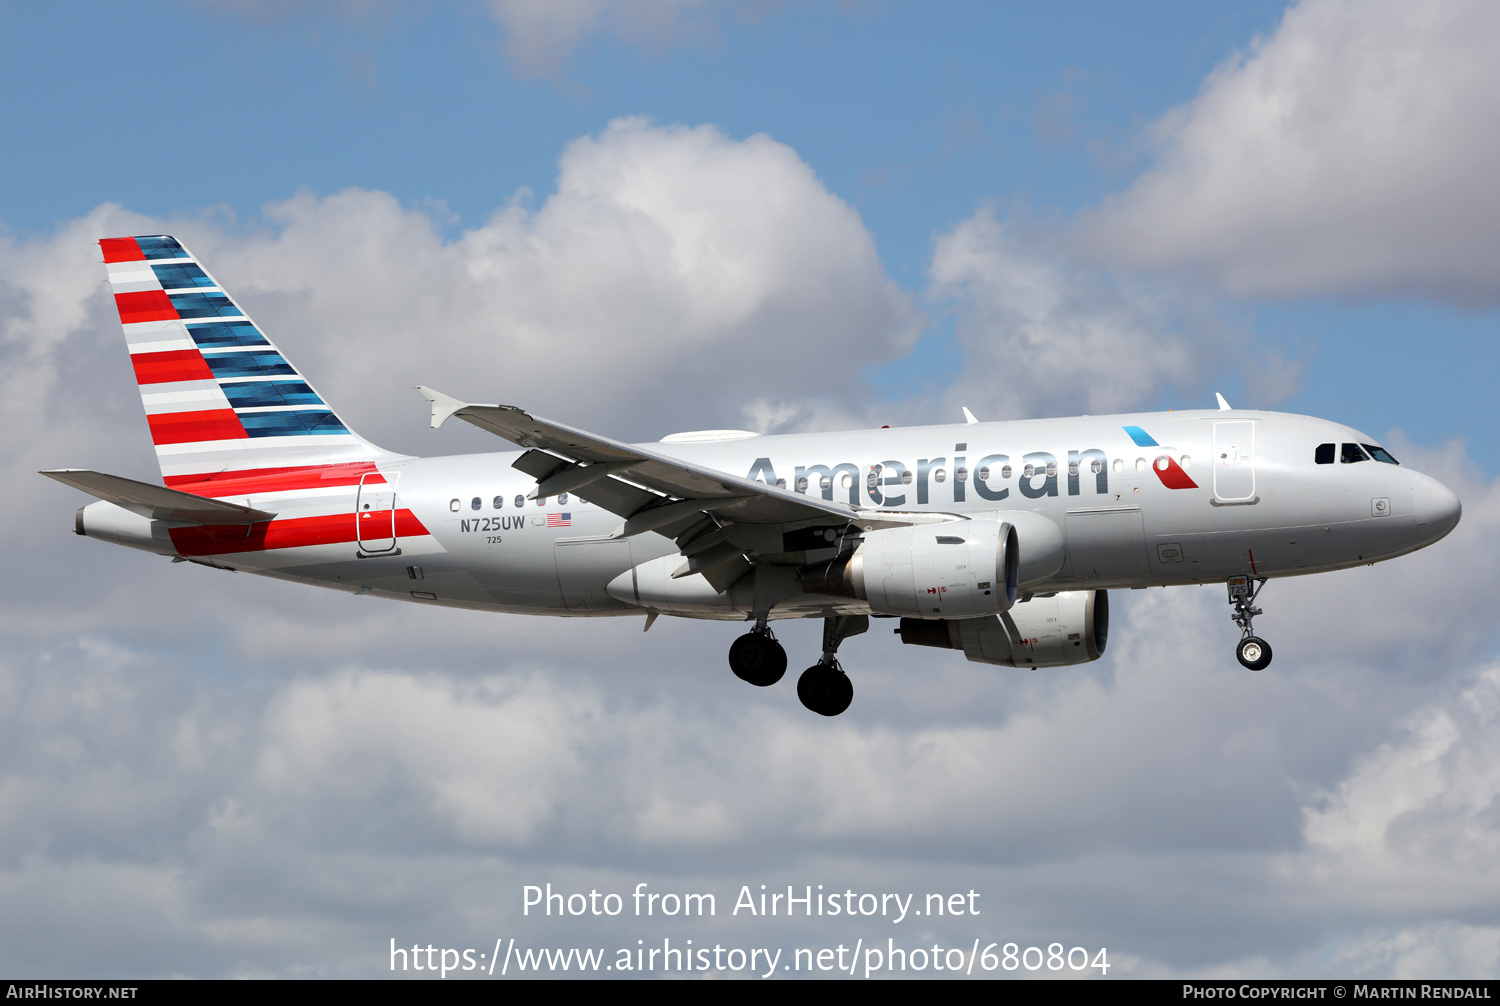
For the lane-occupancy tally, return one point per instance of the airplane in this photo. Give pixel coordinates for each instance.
(999, 539)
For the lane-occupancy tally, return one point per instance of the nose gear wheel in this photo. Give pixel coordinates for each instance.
(1254, 652)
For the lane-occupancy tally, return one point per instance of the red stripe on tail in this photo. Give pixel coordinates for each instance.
(145, 305)
(173, 365)
(190, 427)
(121, 250)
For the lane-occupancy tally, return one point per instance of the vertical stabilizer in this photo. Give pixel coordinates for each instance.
(222, 402)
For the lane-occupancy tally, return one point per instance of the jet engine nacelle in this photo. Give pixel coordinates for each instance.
(1049, 630)
(1042, 546)
(957, 569)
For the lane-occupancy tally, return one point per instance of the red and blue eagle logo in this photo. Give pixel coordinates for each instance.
(1165, 466)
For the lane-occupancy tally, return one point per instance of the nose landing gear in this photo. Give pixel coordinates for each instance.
(1252, 651)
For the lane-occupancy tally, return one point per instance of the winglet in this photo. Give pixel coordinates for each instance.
(1223, 405)
(443, 406)
(968, 416)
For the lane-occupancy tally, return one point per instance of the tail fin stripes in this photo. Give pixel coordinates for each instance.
(222, 403)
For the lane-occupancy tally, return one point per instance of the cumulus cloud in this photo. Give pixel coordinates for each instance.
(667, 257)
(1348, 152)
(1043, 336)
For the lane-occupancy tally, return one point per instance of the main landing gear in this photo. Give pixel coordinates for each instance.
(824, 688)
(1253, 652)
(757, 657)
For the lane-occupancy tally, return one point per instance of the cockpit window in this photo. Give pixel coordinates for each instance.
(1351, 454)
(1324, 454)
(1380, 454)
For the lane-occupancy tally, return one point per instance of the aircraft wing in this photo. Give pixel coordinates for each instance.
(157, 502)
(656, 492)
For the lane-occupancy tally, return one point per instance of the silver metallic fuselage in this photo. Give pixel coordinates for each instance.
(1217, 494)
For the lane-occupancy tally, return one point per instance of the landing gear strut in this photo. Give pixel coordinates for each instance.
(757, 657)
(1253, 652)
(824, 687)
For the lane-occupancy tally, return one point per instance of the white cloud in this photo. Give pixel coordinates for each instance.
(1418, 815)
(1349, 152)
(668, 258)
(1043, 337)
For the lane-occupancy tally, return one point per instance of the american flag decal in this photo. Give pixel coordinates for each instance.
(559, 520)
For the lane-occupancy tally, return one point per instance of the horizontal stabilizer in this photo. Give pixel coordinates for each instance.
(157, 502)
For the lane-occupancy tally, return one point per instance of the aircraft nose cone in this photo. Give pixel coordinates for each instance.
(1436, 507)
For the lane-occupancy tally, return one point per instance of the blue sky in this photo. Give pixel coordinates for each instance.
(914, 114)
(643, 217)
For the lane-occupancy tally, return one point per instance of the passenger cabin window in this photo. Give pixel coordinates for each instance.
(562, 499)
(1380, 454)
(1324, 454)
(475, 503)
(541, 501)
(520, 501)
(1351, 454)
(499, 503)
(826, 483)
(455, 505)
